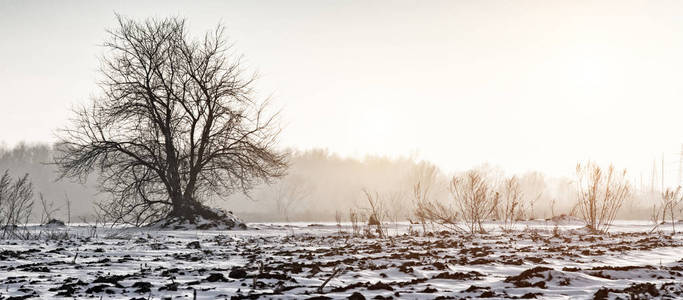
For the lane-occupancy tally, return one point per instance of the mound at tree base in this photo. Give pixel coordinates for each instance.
(201, 218)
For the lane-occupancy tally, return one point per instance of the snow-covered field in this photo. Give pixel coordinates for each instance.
(294, 260)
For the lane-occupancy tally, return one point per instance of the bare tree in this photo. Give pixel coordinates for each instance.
(474, 197)
(600, 194)
(16, 202)
(176, 124)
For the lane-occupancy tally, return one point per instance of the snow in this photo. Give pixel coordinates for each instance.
(293, 260)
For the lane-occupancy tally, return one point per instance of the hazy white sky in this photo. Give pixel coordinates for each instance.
(521, 84)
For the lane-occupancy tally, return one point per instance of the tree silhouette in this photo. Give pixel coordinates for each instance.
(176, 124)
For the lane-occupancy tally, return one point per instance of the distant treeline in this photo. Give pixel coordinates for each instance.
(35, 160)
(321, 184)
(318, 185)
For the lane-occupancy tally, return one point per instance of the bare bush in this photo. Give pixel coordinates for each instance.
(432, 211)
(510, 206)
(425, 181)
(600, 194)
(474, 198)
(377, 212)
(16, 203)
(671, 200)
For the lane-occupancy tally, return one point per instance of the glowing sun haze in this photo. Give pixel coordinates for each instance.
(526, 85)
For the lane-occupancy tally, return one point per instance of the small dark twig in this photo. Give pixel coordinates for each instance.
(337, 270)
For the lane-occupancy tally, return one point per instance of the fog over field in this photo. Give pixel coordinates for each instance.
(319, 183)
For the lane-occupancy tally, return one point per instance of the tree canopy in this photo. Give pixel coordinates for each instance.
(176, 123)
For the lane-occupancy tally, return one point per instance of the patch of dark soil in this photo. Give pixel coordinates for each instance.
(406, 267)
(635, 291)
(380, 286)
(237, 273)
(216, 277)
(481, 261)
(488, 294)
(349, 287)
(472, 275)
(643, 289)
(142, 287)
(522, 280)
(276, 276)
(531, 295)
(22, 297)
(356, 296)
(477, 251)
(623, 268)
(172, 287)
(410, 283)
(6, 255)
(474, 288)
(112, 279)
(534, 259)
(193, 245)
(510, 260)
(36, 269)
(68, 288)
(96, 289)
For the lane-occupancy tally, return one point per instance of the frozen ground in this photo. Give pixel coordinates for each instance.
(288, 261)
